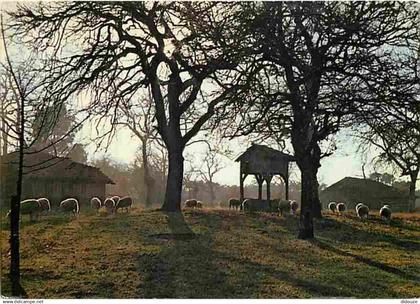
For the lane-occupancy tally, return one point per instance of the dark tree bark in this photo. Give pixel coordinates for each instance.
(15, 212)
(174, 182)
(306, 228)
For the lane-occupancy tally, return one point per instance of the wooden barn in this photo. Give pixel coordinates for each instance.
(55, 178)
(374, 194)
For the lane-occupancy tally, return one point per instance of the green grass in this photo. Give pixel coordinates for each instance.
(215, 254)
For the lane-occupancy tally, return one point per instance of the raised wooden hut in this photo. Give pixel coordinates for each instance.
(264, 162)
(55, 178)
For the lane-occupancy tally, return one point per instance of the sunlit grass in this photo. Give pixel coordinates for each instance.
(216, 254)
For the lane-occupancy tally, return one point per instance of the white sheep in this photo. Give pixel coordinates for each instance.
(116, 198)
(362, 211)
(341, 207)
(332, 206)
(125, 202)
(358, 206)
(44, 203)
(191, 203)
(234, 203)
(285, 206)
(385, 212)
(70, 205)
(31, 207)
(95, 203)
(109, 205)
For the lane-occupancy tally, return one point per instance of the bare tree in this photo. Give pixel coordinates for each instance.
(138, 117)
(172, 48)
(23, 89)
(313, 59)
(23, 103)
(212, 163)
(391, 122)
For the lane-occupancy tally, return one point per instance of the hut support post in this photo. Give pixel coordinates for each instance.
(241, 187)
(260, 181)
(286, 183)
(268, 181)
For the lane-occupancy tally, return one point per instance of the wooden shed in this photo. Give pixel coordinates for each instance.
(264, 162)
(55, 178)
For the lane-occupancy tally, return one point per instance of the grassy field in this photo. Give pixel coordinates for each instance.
(216, 254)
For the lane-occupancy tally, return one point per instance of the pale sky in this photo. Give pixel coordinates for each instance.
(344, 162)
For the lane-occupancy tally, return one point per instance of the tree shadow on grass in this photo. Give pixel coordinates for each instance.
(351, 234)
(367, 261)
(189, 267)
(184, 268)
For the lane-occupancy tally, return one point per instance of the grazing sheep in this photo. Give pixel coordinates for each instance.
(199, 205)
(191, 203)
(70, 205)
(332, 206)
(358, 206)
(109, 205)
(363, 211)
(44, 203)
(385, 212)
(116, 198)
(246, 205)
(31, 207)
(341, 207)
(284, 206)
(125, 202)
(95, 203)
(234, 203)
(293, 207)
(256, 205)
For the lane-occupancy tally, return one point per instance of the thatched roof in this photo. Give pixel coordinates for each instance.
(46, 166)
(266, 152)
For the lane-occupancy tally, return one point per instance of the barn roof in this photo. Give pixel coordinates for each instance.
(366, 186)
(266, 151)
(44, 165)
(374, 194)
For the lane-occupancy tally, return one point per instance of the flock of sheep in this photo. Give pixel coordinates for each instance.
(254, 205)
(112, 203)
(34, 207)
(290, 206)
(362, 210)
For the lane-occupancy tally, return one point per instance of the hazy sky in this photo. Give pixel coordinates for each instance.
(344, 162)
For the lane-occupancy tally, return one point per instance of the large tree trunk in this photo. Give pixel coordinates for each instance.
(174, 181)
(308, 164)
(412, 191)
(17, 289)
(306, 228)
(316, 203)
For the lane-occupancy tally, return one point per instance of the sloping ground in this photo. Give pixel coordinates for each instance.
(216, 254)
(372, 193)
